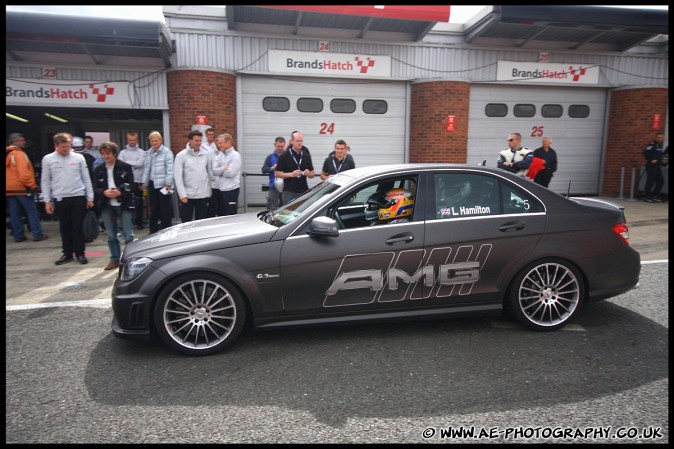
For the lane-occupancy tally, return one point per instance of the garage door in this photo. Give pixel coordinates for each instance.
(572, 117)
(369, 116)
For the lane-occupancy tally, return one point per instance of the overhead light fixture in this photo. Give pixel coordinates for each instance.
(57, 118)
(16, 117)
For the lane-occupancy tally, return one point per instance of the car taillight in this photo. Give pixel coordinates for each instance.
(622, 231)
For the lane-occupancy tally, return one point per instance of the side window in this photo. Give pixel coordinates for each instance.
(387, 201)
(309, 104)
(496, 110)
(465, 195)
(276, 104)
(515, 201)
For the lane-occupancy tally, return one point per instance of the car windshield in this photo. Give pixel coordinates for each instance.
(289, 212)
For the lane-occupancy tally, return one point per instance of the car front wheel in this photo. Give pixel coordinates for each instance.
(546, 295)
(199, 314)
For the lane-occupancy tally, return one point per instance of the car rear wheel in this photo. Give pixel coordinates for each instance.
(199, 314)
(546, 295)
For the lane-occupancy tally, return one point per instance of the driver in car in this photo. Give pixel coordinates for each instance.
(394, 206)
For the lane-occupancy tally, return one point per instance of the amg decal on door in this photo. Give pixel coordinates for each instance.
(365, 278)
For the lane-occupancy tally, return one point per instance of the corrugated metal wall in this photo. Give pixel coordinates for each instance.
(150, 87)
(410, 61)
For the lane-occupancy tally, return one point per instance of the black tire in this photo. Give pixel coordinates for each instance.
(199, 314)
(546, 294)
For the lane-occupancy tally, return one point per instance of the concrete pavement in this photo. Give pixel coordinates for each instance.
(33, 278)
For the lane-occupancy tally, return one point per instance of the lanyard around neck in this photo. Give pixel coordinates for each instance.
(292, 153)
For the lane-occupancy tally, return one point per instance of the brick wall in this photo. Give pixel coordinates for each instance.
(200, 92)
(630, 123)
(432, 102)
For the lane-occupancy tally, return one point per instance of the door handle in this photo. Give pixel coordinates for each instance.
(513, 226)
(406, 238)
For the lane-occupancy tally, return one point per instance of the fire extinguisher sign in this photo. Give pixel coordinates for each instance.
(451, 123)
(201, 120)
(656, 121)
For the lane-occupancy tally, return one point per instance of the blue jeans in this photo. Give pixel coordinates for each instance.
(25, 202)
(110, 214)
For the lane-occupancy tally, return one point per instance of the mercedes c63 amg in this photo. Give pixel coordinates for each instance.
(377, 243)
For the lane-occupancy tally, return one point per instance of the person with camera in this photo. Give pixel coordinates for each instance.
(114, 188)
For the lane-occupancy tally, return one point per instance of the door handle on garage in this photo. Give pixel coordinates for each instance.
(400, 238)
(512, 226)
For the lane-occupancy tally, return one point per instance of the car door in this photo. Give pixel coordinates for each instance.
(478, 228)
(349, 273)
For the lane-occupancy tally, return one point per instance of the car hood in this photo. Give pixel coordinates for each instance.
(202, 235)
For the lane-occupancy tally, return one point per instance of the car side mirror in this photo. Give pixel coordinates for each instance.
(323, 227)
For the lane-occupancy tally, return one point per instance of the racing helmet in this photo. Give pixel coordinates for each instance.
(78, 142)
(395, 203)
(278, 184)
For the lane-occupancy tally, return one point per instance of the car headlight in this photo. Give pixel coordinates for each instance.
(132, 268)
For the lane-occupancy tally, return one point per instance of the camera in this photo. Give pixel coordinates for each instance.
(126, 187)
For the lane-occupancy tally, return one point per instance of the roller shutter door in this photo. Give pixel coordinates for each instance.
(577, 141)
(374, 138)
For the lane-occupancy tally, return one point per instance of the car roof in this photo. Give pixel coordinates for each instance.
(376, 170)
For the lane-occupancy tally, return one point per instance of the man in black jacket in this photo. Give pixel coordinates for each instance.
(114, 192)
(654, 180)
(550, 157)
(295, 167)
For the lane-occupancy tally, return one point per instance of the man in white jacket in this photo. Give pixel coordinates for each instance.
(192, 177)
(227, 170)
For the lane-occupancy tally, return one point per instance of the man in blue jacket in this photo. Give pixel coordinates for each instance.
(273, 196)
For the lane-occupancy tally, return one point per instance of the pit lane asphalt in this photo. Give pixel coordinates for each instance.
(32, 277)
(68, 380)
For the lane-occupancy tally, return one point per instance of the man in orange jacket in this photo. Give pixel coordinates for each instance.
(20, 187)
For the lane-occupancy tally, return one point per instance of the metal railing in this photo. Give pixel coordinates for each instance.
(244, 175)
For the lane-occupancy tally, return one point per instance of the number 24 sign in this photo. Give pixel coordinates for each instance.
(327, 128)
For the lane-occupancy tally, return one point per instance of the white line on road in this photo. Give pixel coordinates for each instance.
(107, 302)
(99, 303)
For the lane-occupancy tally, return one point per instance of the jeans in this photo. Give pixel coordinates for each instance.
(273, 199)
(110, 216)
(25, 202)
(287, 196)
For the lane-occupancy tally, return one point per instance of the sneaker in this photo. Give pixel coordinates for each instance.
(656, 200)
(21, 240)
(111, 266)
(42, 237)
(648, 200)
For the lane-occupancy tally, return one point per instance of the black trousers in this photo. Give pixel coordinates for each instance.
(228, 199)
(193, 209)
(138, 201)
(161, 208)
(543, 177)
(214, 204)
(70, 212)
(654, 181)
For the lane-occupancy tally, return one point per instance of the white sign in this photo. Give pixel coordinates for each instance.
(547, 73)
(63, 93)
(321, 63)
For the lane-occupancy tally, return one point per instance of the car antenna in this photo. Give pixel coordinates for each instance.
(568, 191)
(484, 162)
